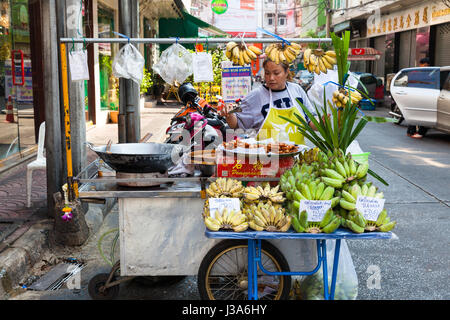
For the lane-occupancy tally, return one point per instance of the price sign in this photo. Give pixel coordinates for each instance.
(222, 203)
(315, 209)
(369, 207)
(358, 51)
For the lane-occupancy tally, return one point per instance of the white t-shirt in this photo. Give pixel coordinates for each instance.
(255, 105)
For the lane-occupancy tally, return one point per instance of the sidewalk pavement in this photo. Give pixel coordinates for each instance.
(24, 231)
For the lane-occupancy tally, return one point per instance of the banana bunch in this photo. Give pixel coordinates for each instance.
(240, 54)
(341, 97)
(318, 60)
(263, 192)
(329, 223)
(228, 220)
(308, 156)
(314, 190)
(339, 169)
(225, 188)
(266, 216)
(284, 53)
(354, 220)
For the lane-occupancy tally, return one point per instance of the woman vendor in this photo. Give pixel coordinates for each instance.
(263, 106)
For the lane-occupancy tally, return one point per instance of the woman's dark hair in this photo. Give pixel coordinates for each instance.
(285, 66)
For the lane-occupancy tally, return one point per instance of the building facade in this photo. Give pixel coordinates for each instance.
(403, 31)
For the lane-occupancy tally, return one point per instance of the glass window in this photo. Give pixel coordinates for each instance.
(425, 79)
(447, 84)
(281, 19)
(444, 78)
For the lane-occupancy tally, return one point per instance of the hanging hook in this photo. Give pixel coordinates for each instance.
(73, 45)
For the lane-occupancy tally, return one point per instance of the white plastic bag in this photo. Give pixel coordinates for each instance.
(202, 67)
(175, 64)
(78, 65)
(311, 287)
(129, 64)
(320, 85)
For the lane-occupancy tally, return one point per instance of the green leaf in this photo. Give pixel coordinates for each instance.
(376, 176)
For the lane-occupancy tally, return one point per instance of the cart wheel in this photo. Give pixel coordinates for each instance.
(223, 273)
(96, 284)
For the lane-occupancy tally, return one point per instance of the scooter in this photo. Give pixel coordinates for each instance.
(195, 118)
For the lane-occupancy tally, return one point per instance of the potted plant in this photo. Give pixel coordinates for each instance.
(146, 84)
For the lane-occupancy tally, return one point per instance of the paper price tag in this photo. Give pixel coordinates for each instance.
(315, 209)
(369, 207)
(222, 203)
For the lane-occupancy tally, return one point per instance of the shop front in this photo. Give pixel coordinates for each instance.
(17, 106)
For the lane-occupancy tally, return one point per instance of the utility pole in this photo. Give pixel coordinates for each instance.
(129, 125)
(276, 17)
(328, 12)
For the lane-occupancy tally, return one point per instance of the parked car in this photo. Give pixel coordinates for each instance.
(423, 96)
(304, 78)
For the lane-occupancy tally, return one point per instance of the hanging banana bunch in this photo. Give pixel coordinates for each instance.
(318, 60)
(241, 54)
(283, 52)
(342, 96)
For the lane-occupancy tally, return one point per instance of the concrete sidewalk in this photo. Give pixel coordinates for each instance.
(24, 231)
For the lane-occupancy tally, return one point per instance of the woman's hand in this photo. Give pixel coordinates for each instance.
(230, 117)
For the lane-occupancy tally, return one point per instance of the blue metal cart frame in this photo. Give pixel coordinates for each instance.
(254, 253)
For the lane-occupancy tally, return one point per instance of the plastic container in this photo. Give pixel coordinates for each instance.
(361, 157)
(365, 104)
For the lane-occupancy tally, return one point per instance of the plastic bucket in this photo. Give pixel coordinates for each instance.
(361, 157)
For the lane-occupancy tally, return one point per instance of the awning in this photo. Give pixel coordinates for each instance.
(204, 25)
(363, 54)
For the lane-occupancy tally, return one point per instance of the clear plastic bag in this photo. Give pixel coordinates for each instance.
(78, 64)
(129, 64)
(175, 64)
(202, 67)
(311, 287)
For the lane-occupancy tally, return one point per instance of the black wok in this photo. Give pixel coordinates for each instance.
(139, 157)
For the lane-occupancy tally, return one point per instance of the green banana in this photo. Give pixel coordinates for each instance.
(381, 217)
(332, 226)
(387, 227)
(348, 196)
(296, 224)
(326, 218)
(303, 219)
(335, 183)
(330, 173)
(347, 205)
(319, 190)
(335, 201)
(354, 227)
(340, 168)
(305, 191)
(362, 170)
(327, 194)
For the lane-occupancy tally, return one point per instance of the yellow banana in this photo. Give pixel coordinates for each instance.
(326, 63)
(282, 57)
(321, 65)
(331, 60)
(307, 56)
(251, 54)
(331, 53)
(247, 59)
(289, 56)
(296, 46)
(257, 51)
(231, 45)
(241, 58)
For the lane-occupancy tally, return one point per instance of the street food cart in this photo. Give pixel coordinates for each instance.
(162, 230)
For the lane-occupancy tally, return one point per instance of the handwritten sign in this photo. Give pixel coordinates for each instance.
(369, 207)
(236, 83)
(222, 203)
(315, 209)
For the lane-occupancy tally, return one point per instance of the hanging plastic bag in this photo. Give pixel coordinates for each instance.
(129, 64)
(202, 67)
(78, 65)
(311, 288)
(175, 64)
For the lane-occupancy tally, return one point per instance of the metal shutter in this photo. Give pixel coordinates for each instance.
(442, 52)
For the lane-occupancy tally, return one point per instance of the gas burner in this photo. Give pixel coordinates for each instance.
(127, 175)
